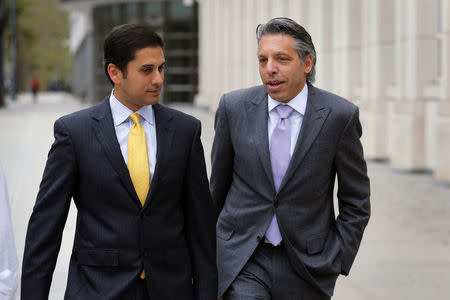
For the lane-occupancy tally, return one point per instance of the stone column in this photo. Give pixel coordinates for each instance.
(325, 64)
(210, 53)
(416, 55)
(296, 11)
(301, 12)
(225, 51)
(354, 51)
(320, 30)
(278, 8)
(262, 9)
(237, 45)
(442, 168)
(249, 49)
(378, 74)
(204, 51)
(215, 69)
(339, 44)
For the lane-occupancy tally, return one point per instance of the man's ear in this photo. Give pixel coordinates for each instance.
(308, 63)
(114, 73)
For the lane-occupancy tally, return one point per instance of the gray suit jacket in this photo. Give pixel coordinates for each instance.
(320, 245)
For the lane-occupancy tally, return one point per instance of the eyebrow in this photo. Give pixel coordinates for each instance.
(152, 65)
(276, 54)
(282, 53)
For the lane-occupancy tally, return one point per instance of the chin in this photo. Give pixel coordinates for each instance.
(151, 101)
(279, 97)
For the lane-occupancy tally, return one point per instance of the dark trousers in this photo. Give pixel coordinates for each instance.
(138, 290)
(269, 275)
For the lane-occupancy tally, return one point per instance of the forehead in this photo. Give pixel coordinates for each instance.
(271, 43)
(149, 55)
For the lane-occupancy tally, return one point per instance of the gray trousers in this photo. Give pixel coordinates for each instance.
(269, 275)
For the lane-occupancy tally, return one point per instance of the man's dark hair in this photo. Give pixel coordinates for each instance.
(122, 43)
(302, 40)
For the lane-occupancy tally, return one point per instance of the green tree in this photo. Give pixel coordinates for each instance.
(42, 47)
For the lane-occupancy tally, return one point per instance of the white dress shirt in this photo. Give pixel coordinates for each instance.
(9, 265)
(296, 118)
(123, 123)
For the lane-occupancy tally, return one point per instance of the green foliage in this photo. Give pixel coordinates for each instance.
(42, 47)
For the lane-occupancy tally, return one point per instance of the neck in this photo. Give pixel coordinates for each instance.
(124, 100)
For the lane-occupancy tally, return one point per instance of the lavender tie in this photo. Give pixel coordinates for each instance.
(279, 157)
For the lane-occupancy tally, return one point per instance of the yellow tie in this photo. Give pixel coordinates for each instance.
(138, 161)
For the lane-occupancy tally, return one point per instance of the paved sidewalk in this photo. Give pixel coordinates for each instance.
(405, 253)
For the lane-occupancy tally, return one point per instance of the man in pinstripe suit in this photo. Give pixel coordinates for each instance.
(156, 242)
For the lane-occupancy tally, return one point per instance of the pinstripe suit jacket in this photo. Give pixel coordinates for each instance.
(319, 245)
(172, 237)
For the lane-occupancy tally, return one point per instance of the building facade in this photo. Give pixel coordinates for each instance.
(176, 21)
(392, 58)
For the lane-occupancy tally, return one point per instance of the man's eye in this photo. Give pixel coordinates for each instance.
(147, 70)
(262, 60)
(161, 68)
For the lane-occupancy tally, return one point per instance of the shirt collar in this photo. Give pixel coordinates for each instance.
(298, 103)
(120, 112)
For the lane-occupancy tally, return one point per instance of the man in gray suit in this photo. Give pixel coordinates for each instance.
(277, 151)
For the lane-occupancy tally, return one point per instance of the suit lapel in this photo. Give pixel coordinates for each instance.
(315, 116)
(106, 135)
(164, 135)
(257, 115)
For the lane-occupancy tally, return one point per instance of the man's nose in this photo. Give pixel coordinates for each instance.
(158, 79)
(271, 67)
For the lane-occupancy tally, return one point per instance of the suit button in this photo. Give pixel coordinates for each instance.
(275, 204)
(141, 215)
(259, 239)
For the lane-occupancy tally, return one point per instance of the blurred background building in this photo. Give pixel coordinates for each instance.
(392, 58)
(2, 25)
(176, 21)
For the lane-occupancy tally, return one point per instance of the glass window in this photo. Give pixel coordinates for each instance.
(153, 9)
(178, 11)
(153, 14)
(132, 13)
(115, 14)
(174, 22)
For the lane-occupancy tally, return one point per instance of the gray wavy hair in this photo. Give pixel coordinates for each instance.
(302, 40)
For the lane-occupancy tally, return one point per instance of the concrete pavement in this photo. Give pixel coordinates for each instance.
(405, 253)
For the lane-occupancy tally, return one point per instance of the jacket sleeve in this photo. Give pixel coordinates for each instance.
(200, 223)
(43, 239)
(353, 191)
(222, 157)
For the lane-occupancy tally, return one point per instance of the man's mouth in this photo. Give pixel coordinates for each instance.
(157, 91)
(274, 85)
